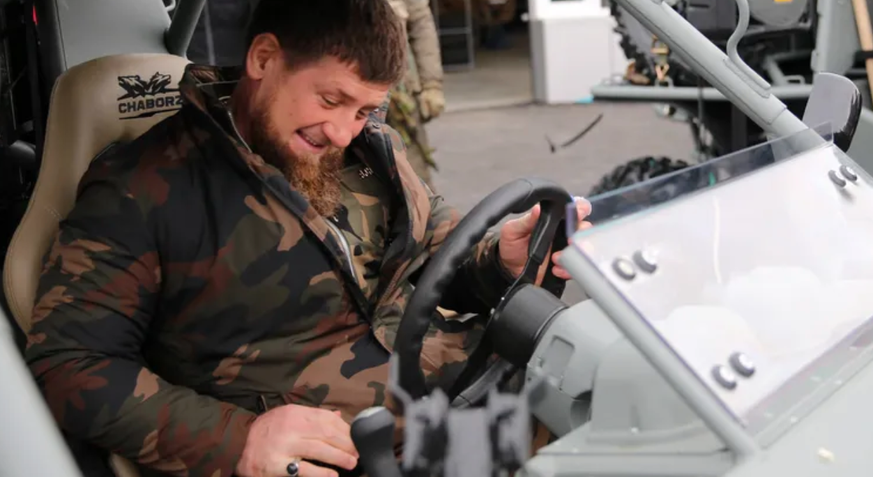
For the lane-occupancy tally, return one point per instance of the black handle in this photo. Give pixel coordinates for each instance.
(834, 100)
(373, 435)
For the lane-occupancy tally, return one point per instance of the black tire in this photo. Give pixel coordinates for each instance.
(636, 171)
(640, 171)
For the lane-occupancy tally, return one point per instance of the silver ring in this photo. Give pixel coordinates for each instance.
(293, 467)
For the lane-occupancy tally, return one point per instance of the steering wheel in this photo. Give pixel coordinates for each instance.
(515, 197)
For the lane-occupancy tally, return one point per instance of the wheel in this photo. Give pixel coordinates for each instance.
(636, 171)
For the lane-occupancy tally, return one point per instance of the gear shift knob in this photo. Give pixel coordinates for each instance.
(373, 435)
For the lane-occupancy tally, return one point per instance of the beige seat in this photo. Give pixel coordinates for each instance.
(109, 100)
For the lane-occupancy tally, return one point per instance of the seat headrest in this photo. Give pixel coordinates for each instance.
(108, 100)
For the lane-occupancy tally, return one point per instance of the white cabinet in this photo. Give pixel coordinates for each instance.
(573, 48)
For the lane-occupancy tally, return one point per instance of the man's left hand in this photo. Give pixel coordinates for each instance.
(515, 239)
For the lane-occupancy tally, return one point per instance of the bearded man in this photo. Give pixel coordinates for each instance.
(223, 298)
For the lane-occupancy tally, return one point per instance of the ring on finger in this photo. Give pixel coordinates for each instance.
(293, 467)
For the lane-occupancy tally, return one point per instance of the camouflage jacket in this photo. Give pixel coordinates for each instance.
(192, 288)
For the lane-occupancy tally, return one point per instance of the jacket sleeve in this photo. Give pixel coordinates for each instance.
(96, 298)
(424, 40)
(481, 280)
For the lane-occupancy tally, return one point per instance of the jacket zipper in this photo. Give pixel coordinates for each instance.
(408, 246)
(344, 243)
(390, 287)
(236, 131)
(347, 249)
(397, 274)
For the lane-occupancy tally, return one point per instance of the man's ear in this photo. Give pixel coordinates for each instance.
(264, 54)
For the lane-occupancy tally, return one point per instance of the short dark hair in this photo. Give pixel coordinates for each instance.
(364, 33)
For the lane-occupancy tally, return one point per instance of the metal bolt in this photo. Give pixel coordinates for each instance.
(646, 261)
(848, 173)
(826, 455)
(624, 269)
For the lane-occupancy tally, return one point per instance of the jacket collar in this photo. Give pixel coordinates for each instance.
(205, 91)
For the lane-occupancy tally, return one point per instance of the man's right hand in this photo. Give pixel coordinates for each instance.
(432, 103)
(282, 434)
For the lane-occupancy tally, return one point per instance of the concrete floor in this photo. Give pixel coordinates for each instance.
(478, 151)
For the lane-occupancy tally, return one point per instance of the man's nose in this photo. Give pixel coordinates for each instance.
(341, 133)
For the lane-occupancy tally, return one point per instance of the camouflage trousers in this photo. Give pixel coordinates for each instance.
(405, 117)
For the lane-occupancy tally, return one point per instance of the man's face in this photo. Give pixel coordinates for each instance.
(302, 120)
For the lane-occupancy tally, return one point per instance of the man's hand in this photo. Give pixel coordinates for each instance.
(432, 102)
(282, 434)
(515, 239)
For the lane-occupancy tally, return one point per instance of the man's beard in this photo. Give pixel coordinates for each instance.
(317, 178)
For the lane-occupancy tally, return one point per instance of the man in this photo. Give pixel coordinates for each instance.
(419, 97)
(224, 296)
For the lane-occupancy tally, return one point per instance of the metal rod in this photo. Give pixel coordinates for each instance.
(181, 29)
(468, 21)
(791, 55)
(207, 28)
(772, 68)
(36, 89)
(681, 378)
(455, 31)
(708, 61)
(734, 40)
(53, 60)
(687, 93)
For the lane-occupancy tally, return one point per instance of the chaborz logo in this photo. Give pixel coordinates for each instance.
(142, 99)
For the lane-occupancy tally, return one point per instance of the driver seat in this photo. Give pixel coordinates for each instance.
(105, 101)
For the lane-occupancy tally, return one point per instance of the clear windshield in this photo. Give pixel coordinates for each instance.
(758, 263)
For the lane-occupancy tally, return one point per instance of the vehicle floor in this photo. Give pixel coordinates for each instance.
(479, 151)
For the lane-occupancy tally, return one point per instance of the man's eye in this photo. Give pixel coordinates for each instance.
(328, 101)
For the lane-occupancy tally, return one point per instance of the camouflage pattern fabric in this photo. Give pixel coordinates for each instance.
(425, 71)
(404, 116)
(363, 219)
(425, 56)
(191, 288)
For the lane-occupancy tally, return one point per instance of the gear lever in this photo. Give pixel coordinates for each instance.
(373, 435)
